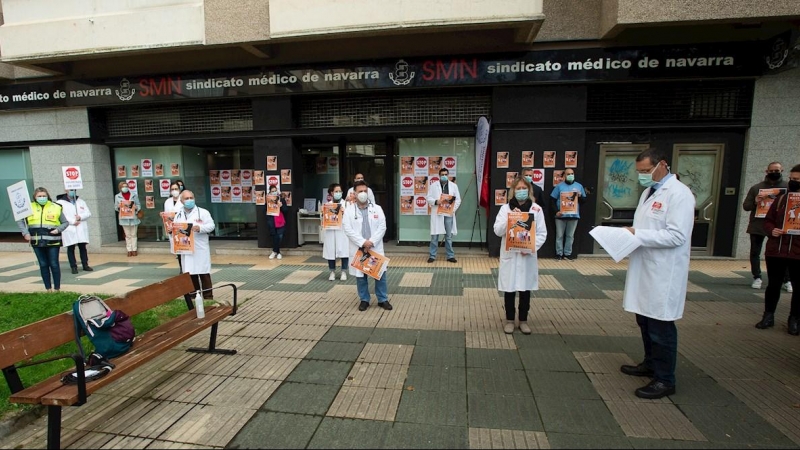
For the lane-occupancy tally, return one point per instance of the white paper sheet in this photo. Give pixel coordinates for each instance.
(617, 241)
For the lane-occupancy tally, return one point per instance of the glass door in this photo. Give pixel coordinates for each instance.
(700, 168)
(372, 159)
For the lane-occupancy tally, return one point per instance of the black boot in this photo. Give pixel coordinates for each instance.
(768, 321)
(794, 326)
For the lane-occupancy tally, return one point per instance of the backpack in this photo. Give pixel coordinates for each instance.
(111, 332)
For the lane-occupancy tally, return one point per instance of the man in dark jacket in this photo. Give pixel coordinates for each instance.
(758, 205)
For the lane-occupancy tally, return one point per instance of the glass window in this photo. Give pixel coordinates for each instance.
(416, 228)
(15, 166)
(320, 169)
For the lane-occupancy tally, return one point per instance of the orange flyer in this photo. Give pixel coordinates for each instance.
(167, 218)
(182, 238)
(332, 216)
(125, 211)
(569, 202)
(521, 234)
(370, 263)
(769, 197)
(447, 204)
(273, 208)
(791, 221)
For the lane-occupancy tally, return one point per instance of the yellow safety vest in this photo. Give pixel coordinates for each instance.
(42, 221)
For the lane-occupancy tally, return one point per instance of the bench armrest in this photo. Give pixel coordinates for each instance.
(15, 383)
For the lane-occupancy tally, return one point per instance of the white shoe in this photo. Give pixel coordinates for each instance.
(280, 256)
(788, 287)
(344, 276)
(272, 255)
(332, 276)
(756, 284)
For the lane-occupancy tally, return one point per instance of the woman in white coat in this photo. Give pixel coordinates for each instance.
(197, 264)
(173, 204)
(519, 270)
(129, 226)
(336, 244)
(77, 233)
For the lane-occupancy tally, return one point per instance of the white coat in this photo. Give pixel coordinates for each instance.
(336, 244)
(172, 205)
(437, 221)
(351, 224)
(519, 272)
(658, 271)
(200, 261)
(370, 194)
(78, 231)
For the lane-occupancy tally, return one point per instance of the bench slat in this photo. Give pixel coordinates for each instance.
(181, 328)
(26, 342)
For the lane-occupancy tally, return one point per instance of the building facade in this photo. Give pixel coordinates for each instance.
(231, 97)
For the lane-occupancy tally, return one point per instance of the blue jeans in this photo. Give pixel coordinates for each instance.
(332, 264)
(660, 340)
(48, 262)
(381, 288)
(565, 227)
(448, 239)
(277, 237)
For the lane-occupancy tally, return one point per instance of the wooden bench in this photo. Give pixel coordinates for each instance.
(19, 346)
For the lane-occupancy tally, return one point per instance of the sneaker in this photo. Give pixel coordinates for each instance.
(508, 327)
(272, 255)
(523, 326)
(788, 287)
(332, 276)
(279, 256)
(756, 283)
(344, 276)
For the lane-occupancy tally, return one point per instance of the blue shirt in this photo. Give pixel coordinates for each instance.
(565, 187)
(658, 185)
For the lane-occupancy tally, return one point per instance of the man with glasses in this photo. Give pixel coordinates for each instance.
(755, 228)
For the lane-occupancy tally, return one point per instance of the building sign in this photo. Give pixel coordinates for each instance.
(740, 59)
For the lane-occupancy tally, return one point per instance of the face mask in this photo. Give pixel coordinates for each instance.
(646, 179)
(443, 178)
(521, 194)
(273, 193)
(337, 196)
(189, 204)
(175, 193)
(181, 186)
(529, 178)
(570, 178)
(774, 176)
(363, 197)
(41, 200)
(794, 186)
(73, 194)
(124, 190)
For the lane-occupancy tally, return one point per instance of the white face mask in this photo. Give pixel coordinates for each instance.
(175, 193)
(362, 197)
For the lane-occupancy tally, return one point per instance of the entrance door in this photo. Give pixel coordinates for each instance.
(619, 186)
(700, 168)
(373, 160)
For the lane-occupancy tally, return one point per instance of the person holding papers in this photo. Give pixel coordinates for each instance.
(566, 197)
(365, 224)
(198, 264)
(519, 267)
(336, 244)
(443, 220)
(658, 272)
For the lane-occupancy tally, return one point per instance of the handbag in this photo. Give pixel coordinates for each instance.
(140, 214)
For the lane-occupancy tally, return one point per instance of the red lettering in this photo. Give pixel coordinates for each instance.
(144, 91)
(440, 70)
(150, 87)
(473, 70)
(428, 73)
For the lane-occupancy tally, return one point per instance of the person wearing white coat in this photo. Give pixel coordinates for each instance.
(442, 224)
(173, 204)
(519, 270)
(658, 271)
(197, 264)
(77, 233)
(336, 244)
(351, 193)
(365, 224)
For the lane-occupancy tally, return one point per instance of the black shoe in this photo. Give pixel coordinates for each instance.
(87, 269)
(430, 260)
(794, 326)
(74, 270)
(363, 306)
(637, 371)
(386, 305)
(452, 260)
(559, 257)
(570, 257)
(767, 321)
(655, 390)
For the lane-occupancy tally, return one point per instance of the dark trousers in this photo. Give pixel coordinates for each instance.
(524, 305)
(277, 237)
(660, 340)
(756, 245)
(776, 267)
(71, 255)
(48, 264)
(332, 264)
(205, 278)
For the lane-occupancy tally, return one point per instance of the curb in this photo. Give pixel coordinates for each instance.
(15, 421)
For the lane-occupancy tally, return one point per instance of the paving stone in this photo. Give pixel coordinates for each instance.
(156, 444)
(348, 334)
(286, 348)
(549, 360)
(332, 373)
(336, 432)
(492, 339)
(497, 381)
(365, 403)
(577, 416)
(414, 435)
(307, 332)
(733, 425)
(488, 438)
(601, 362)
(436, 408)
(416, 279)
(428, 338)
(299, 398)
(595, 344)
(389, 376)
(187, 388)
(144, 418)
(564, 440)
(276, 430)
(646, 443)
(386, 353)
(702, 391)
(436, 379)
(126, 442)
(561, 384)
(394, 336)
(553, 342)
(335, 351)
(654, 420)
(244, 393)
(512, 412)
(268, 368)
(439, 356)
(208, 425)
(620, 387)
(91, 440)
(493, 359)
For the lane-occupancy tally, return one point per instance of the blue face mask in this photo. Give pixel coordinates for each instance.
(521, 194)
(570, 178)
(337, 196)
(189, 204)
(646, 179)
(73, 194)
(41, 200)
(443, 178)
(529, 178)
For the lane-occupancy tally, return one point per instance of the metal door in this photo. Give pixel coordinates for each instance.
(700, 168)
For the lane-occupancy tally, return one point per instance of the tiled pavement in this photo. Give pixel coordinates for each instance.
(311, 371)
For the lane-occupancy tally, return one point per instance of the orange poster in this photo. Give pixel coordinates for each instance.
(332, 216)
(569, 202)
(150, 202)
(126, 210)
(261, 197)
(236, 176)
(510, 176)
(273, 209)
(370, 263)
(521, 234)
(571, 159)
(247, 194)
(407, 165)
(502, 160)
(527, 159)
(407, 205)
(148, 185)
(159, 170)
(213, 177)
(175, 170)
(447, 204)
(769, 197)
(434, 165)
(500, 197)
(167, 218)
(272, 163)
(558, 177)
(791, 221)
(286, 176)
(121, 173)
(134, 171)
(420, 185)
(226, 194)
(182, 238)
(549, 159)
(258, 177)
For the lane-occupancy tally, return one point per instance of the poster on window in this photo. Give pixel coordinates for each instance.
(216, 194)
(163, 187)
(521, 234)
(272, 163)
(149, 202)
(148, 185)
(791, 219)
(500, 197)
(258, 177)
(434, 165)
(406, 165)
(121, 172)
(527, 159)
(451, 164)
(558, 177)
(247, 177)
(549, 159)
(135, 171)
(406, 185)
(421, 185)
(261, 197)
(502, 160)
(421, 166)
(322, 165)
(236, 177)
(175, 170)
(571, 159)
(147, 167)
(768, 197)
(226, 194)
(510, 176)
(538, 178)
(407, 205)
(421, 206)
(133, 186)
(225, 177)
(236, 193)
(333, 165)
(213, 177)
(286, 176)
(273, 180)
(247, 194)
(159, 170)
(183, 238)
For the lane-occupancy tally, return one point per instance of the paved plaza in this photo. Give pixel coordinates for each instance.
(437, 371)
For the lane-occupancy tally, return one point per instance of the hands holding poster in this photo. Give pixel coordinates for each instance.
(791, 221)
(446, 205)
(126, 210)
(521, 232)
(765, 199)
(332, 216)
(370, 263)
(182, 238)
